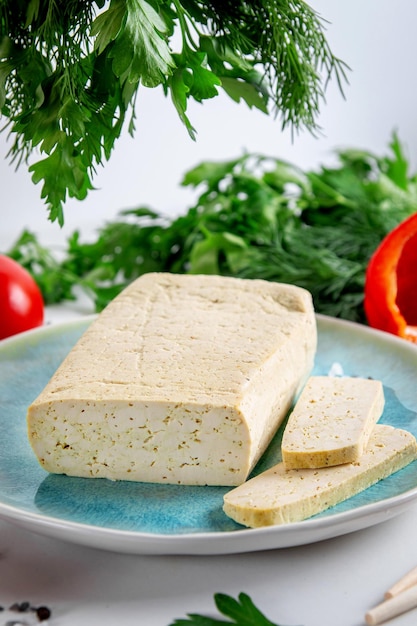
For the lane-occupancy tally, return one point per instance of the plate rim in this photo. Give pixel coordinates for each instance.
(134, 542)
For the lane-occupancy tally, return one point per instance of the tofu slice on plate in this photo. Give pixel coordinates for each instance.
(332, 421)
(281, 496)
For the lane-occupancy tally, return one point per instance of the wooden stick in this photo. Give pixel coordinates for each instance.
(401, 603)
(405, 582)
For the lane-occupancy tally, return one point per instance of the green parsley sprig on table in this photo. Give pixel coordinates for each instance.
(70, 73)
(256, 217)
(242, 612)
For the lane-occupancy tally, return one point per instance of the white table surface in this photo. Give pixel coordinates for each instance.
(330, 583)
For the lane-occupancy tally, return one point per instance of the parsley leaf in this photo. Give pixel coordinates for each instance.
(242, 612)
(140, 51)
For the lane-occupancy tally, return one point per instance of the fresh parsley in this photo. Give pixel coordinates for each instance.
(255, 217)
(70, 73)
(242, 612)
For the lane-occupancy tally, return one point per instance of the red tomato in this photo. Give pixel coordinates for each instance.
(21, 302)
(391, 282)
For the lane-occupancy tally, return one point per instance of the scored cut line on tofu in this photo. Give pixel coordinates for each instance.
(280, 496)
(332, 421)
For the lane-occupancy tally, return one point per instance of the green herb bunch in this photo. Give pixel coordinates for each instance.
(255, 217)
(241, 611)
(70, 73)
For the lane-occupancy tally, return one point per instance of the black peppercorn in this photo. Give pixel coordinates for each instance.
(43, 613)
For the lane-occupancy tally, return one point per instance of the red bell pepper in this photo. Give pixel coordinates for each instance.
(391, 282)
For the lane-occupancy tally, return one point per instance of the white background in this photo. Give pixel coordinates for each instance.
(376, 38)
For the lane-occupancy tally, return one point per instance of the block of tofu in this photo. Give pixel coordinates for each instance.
(181, 379)
(331, 421)
(280, 496)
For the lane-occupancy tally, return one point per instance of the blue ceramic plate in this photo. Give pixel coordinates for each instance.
(168, 519)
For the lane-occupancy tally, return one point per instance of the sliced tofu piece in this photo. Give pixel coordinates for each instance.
(181, 379)
(331, 421)
(280, 496)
